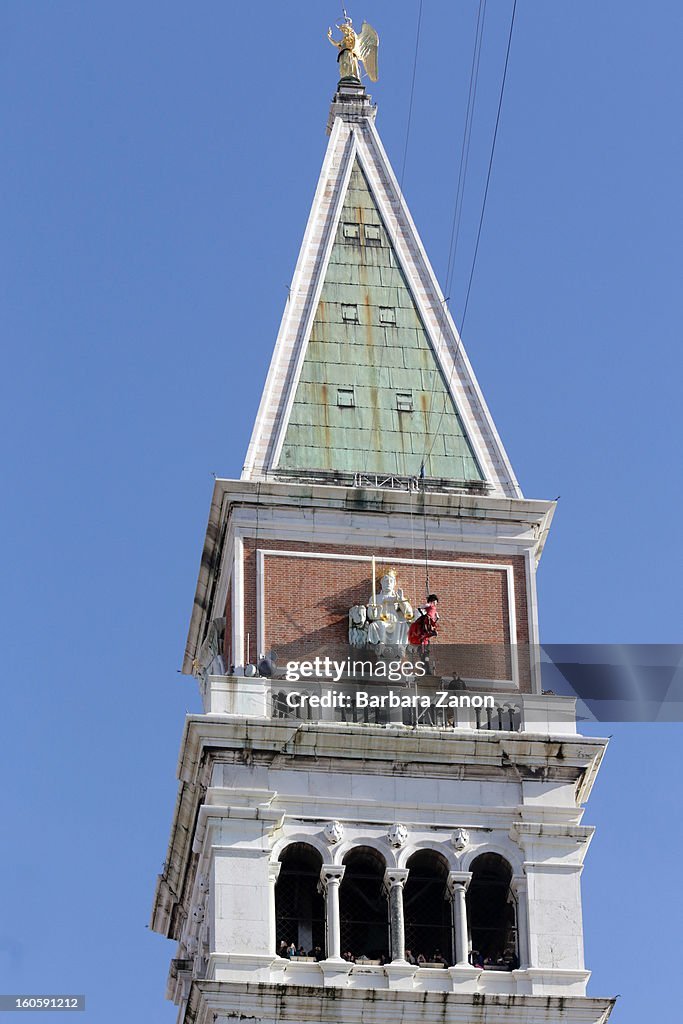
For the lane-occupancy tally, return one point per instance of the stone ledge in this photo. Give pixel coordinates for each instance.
(295, 1004)
(448, 750)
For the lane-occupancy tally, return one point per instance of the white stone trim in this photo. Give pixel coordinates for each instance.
(500, 845)
(512, 622)
(238, 601)
(376, 843)
(289, 838)
(260, 603)
(344, 528)
(551, 867)
(224, 578)
(439, 844)
(532, 622)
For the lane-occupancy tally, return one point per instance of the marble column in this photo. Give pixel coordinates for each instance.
(519, 887)
(457, 888)
(394, 880)
(273, 872)
(330, 880)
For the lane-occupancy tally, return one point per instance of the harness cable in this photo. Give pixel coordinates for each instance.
(259, 654)
(412, 93)
(469, 283)
(455, 227)
(455, 232)
(462, 177)
(481, 221)
(412, 536)
(465, 147)
(462, 173)
(424, 527)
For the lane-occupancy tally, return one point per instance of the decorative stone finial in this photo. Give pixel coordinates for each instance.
(397, 835)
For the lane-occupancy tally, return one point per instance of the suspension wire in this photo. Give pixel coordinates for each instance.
(488, 173)
(412, 94)
(460, 189)
(465, 147)
(424, 529)
(469, 284)
(412, 537)
(452, 248)
(481, 222)
(259, 654)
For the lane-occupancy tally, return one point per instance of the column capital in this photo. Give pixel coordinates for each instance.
(519, 883)
(395, 876)
(331, 874)
(458, 878)
(274, 870)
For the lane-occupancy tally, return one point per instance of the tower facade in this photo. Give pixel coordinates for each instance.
(359, 835)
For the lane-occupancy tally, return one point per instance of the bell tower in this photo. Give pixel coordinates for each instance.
(374, 822)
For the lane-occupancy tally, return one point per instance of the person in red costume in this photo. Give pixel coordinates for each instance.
(425, 625)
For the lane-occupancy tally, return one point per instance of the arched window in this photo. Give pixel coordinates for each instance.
(299, 907)
(491, 913)
(427, 912)
(363, 906)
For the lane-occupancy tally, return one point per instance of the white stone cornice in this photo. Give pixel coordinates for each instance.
(211, 815)
(558, 848)
(446, 751)
(526, 833)
(305, 1003)
(553, 867)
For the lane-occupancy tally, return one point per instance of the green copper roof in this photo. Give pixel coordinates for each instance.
(371, 395)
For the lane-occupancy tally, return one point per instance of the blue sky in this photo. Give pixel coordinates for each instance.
(159, 162)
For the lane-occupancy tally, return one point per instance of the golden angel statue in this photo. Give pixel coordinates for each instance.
(354, 47)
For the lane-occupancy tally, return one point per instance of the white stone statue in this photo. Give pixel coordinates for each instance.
(384, 621)
(358, 625)
(389, 615)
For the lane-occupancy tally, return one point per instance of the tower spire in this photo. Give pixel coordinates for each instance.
(368, 372)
